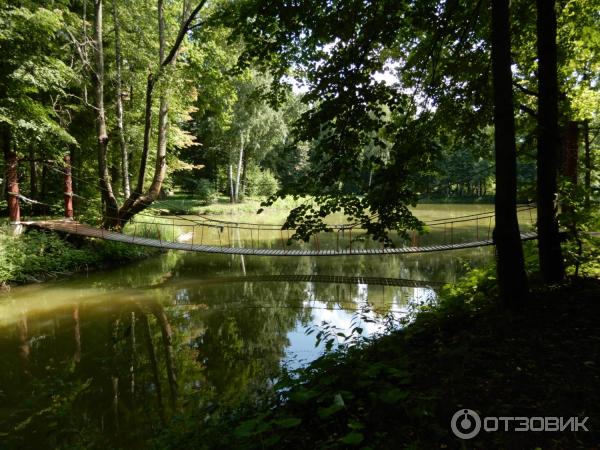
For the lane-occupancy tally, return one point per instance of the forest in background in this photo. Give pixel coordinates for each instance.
(234, 117)
(361, 107)
(358, 107)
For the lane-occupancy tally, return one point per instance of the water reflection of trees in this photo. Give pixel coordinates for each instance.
(83, 364)
(244, 339)
(155, 339)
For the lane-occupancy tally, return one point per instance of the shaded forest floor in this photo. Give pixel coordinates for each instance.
(401, 391)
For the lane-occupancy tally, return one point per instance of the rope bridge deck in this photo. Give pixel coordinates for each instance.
(82, 229)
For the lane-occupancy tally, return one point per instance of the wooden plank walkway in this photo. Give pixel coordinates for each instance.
(81, 229)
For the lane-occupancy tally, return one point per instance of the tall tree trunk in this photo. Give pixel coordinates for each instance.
(85, 47)
(550, 254)
(33, 182)
(137, 201)
(163, 113)
(112, 208)
(568, 169)
(245, 175)
(44, 185)
(76, 164)
(587, 183)
(33, 187)
(570, 159)
(512, 279)
(119, 101)
(231, 190)
(160, 169)
(239, 169)
(139, 188)
(12, 174)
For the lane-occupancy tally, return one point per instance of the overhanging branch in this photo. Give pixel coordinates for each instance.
(527, 110)
(185, 27)
(524, 90)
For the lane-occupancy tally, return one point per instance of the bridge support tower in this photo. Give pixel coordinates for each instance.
(68, 188)
(12, 184)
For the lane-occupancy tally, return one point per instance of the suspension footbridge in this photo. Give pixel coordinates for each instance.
(205, 234)
(194, 236)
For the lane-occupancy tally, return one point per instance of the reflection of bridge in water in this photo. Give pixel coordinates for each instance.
(208, 235)
(335, 279)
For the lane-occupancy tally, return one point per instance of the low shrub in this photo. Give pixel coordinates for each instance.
(38, 255)
(261, 182)
(205, 192)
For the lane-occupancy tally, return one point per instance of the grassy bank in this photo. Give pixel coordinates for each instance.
(181, 203)
(401, 391)
(487, 199)
(36, 255)
(188, 204)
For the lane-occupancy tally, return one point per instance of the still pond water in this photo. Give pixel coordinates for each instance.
(108, 357)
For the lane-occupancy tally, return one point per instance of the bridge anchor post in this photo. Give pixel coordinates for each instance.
(68, 189)
(12, 183)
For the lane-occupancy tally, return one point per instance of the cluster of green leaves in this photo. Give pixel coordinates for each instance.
(398, 96)
(261, 182)
(356, 125)
(241, 121)
(476, 286)
(34, 70)
(46, 83)
(36, 256)
(579, 220)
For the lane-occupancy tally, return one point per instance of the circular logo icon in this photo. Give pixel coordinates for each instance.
(465, 423)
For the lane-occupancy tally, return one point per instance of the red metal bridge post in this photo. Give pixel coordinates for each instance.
(12, 181)
(68, 188)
